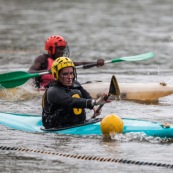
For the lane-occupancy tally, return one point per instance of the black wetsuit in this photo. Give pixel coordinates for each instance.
(63, 106)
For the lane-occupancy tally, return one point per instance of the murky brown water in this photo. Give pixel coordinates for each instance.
(107, 29)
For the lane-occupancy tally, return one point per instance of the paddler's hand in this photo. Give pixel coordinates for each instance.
(95, 112)
(103, 99)
(100, 101)
(100, 62)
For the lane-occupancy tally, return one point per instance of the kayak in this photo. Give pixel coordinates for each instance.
(142, 92)
(33, 123)
(145, 92)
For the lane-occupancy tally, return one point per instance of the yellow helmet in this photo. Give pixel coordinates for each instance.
(60, 63)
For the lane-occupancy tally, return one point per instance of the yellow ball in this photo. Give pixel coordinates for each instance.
(111, 124)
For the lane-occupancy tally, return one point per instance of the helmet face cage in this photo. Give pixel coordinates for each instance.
(61, 63)
(66, 51)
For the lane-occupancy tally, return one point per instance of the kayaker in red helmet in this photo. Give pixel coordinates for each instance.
(56, 46)
(64, 100)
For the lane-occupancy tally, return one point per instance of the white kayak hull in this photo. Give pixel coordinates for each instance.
(142, 92)
(133, 91)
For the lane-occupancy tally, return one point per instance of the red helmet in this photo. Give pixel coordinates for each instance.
(52, 42)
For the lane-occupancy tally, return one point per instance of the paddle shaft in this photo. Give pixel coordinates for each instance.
(128, 58)
(113, 90)
(100, 106)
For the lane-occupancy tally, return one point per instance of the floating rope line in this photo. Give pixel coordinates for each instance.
(83, 157)
(21, 51)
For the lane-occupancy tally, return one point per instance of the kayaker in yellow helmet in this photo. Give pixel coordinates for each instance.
(64, 100)
(56, 46)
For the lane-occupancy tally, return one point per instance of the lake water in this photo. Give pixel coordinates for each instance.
(94, 29)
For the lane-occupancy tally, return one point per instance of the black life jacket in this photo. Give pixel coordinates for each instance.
(64, 115)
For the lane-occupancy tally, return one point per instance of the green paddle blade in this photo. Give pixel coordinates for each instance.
(134, 58)
(13, 79)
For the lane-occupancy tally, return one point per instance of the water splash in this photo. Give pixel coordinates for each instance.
(139, 137)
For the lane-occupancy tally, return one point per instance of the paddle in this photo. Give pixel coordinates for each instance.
(128, 58)
(14, 79)
(113, 90)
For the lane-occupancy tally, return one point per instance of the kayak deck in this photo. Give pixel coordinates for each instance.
(31, 123)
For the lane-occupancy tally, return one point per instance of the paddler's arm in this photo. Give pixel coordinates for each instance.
(57, 96)
(100, 101)
(95, 103)
(37, 66)
(100, 62)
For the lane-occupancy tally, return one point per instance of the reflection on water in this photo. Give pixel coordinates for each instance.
(93, 29)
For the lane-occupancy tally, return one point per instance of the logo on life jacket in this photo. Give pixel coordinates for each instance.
(77, 111)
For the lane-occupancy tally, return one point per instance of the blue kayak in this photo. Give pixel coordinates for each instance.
(33, 123)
